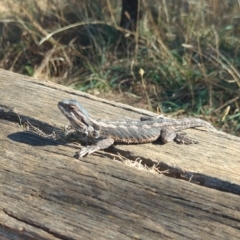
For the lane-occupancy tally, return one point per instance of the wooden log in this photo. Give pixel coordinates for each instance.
(48, 194)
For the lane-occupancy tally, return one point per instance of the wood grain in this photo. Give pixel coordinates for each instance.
(47, 194)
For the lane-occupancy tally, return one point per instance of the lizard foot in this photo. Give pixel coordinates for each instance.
(86, 150)
(182, 139)
(100, 144)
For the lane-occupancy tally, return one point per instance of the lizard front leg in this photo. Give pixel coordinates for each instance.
(100, 143)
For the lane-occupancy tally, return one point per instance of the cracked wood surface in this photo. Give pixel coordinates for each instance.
(47, 194)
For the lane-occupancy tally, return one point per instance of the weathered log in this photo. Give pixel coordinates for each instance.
(48, 194)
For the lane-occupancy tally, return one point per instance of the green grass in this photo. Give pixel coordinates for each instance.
(189, 52)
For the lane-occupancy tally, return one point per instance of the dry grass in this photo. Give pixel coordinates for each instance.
(189, 51)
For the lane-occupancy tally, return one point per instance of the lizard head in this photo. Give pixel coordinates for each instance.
(77, 116)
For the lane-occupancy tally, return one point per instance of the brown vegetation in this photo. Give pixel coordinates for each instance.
(187, 49)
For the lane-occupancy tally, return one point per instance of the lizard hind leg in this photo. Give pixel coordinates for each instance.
(168, 135)
(99, 144)
(151, 118)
